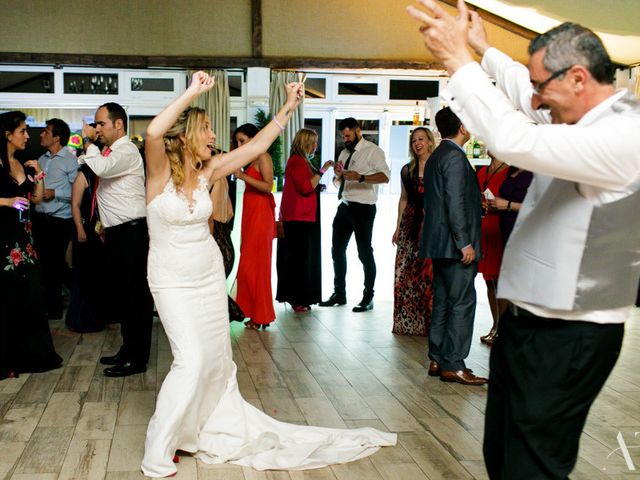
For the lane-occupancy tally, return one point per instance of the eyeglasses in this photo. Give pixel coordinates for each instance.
(539, 88)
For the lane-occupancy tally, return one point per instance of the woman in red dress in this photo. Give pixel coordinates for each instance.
(258, 231)
(491, 243)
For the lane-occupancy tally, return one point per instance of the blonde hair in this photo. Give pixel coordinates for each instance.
(182, 139)
(413, 164)
(303, 141)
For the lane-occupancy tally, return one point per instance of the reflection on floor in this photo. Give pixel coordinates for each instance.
(326, 367)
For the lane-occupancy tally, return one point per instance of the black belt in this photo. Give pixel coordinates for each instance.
(130, 223)
(517, 311)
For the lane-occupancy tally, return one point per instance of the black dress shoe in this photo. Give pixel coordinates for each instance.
(124, 370)
(116, 359)
(334, 299)
(364, 305)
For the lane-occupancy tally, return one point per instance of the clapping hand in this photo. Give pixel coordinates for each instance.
(19, 203)
(201, 82)
(33, 164)
(88, 131)
(443, 34)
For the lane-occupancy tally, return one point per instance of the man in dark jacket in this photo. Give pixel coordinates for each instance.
(451, 238)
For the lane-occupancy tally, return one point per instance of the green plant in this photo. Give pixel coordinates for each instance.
(275, 150)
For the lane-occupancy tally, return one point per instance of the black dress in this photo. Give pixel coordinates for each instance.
(25, 338)
(222, 236)
(87, 311)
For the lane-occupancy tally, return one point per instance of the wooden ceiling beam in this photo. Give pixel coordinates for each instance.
(498, 21)
(191, 62)
(256, 28)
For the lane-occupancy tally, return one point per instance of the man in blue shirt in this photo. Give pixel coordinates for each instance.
(52, 221)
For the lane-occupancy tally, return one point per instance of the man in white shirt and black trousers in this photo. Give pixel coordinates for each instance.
(570, 268)
(121, 203)
(360, 168)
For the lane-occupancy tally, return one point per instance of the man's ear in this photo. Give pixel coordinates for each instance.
(463, 130)
(118, 124)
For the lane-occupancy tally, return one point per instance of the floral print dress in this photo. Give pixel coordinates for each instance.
(25, 338)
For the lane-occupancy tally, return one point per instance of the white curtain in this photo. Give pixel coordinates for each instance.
(277, 98)
(216, 102)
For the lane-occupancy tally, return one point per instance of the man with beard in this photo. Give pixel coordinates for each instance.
(360, 168)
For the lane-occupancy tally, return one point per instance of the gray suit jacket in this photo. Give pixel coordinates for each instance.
(452, 204)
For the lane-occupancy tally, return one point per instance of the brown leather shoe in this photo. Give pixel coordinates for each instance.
(434, 369)
(465, 377)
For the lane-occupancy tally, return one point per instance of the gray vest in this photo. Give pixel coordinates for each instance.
(567, 253)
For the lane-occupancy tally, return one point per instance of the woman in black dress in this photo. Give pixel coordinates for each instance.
(25, 338)
(87, 310)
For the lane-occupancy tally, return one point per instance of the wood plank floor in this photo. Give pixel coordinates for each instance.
(326, 367)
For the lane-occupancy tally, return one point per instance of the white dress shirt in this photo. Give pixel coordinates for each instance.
(367, 159)
(599, 153)
(121, 190)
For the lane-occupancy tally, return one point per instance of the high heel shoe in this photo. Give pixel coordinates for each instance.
(301, 308)
(252, 325)
(176, 458)
(489, 338)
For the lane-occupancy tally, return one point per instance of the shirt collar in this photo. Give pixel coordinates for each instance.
(593, 114)
(449, 140)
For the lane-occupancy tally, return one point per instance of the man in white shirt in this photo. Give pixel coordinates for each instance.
(571, 266)
(122, 207)
(360, 168)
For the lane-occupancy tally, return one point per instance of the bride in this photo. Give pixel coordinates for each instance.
(199, 407)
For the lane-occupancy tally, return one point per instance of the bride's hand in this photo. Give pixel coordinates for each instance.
(201, 82)
(295, 91)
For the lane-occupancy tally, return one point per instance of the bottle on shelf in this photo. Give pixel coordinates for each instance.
(416, 114)
(476, 149)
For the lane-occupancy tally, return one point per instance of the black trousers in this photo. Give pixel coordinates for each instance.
(354, 218)
(127, 246)
(545, 374)
(51, 240)
(453, 313)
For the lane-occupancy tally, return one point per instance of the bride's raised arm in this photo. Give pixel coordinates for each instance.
(157, 161)
(248, 152)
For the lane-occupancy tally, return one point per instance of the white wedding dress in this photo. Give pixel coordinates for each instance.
(199, 407)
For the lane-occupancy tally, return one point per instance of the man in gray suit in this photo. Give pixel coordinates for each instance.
(451, 238)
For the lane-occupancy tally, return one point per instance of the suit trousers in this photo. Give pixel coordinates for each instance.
(544, 375)
(127, 247)
(51, 240)
(353, 218)
(454, 308)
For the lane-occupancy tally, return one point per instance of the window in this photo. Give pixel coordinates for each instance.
(352, 88)
(235, 85)
(315, 124)
(139, 84)
(26, 82)
(413, 89)
(370, 130)
(315, 88)
(91, 83)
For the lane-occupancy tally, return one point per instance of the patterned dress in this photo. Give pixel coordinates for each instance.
(25, 338)
(413, 296)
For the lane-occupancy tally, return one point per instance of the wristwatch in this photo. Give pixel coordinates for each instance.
(361, 179)
(86, 140)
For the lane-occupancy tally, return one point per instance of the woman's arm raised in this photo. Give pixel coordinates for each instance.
(248, 152)
(154, 143)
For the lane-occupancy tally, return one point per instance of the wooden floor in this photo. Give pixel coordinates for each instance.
(328, 367)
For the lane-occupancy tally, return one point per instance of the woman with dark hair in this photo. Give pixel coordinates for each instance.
(255, 296)
(299, 259)
(490, 179)
(25, 338)
(413, 297)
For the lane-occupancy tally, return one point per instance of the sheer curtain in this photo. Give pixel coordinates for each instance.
(277, 98)
(216, 103)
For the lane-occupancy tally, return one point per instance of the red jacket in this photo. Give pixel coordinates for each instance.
(299, 201)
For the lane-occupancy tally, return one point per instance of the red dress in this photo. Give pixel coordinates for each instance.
(254, 271)
(491, 242)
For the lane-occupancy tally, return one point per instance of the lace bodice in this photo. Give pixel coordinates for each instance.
(181, 249)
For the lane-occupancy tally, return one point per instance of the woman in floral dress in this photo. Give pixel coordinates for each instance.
(25, 338)
(413, 275)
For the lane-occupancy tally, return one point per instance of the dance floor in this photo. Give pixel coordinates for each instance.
(327, 367)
